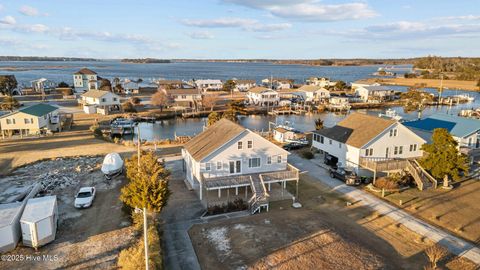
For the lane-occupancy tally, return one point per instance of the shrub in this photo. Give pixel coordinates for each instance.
(128, 107)
(435, 254)
(63, 85)
(237, 205)
(307, 154)
(386, 183)
(135, 100)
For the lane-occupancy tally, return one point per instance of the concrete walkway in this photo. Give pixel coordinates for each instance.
(454, 244)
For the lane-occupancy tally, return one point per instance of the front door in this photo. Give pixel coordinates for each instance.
(387, 152)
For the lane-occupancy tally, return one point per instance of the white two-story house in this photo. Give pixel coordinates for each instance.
(229, 157)
(314, 93)
(374, 93)
(209, 85)
(98, 101)
(186, 98)
(244, 85)
(262, 96)
(278, 83)
(31, 120)
(361, 136)
(84, 80)
(320, 81)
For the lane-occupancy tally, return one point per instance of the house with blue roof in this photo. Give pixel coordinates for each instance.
(466, 131)
(31, 120)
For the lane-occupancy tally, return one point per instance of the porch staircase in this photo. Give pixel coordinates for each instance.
(260, 195)
(422, 178)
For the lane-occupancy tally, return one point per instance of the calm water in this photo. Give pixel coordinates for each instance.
(62, 71)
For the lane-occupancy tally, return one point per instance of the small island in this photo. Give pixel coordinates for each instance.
(146, 61)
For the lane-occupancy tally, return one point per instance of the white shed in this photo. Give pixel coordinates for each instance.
(10, 214)
(39, 221)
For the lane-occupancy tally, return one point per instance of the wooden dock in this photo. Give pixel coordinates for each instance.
(286, 112)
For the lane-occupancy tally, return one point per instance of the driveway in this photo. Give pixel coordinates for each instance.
(454, 244)
(182, 211)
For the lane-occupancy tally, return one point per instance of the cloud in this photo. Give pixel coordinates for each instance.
(1, 7)
(31, 11)
(32, 28)
(310, 10)
(412, 30)
(8, 20)
(245, 24)
(201, 35)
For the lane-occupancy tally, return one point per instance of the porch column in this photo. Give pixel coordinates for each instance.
(3, 134)
(269, 187)
(219, 193)
(201, 190)
(228, 195)
(296, 192)
(21, 133)
(236, 191)
(246, 192)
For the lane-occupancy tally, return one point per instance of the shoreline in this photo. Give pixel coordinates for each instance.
(429, 83)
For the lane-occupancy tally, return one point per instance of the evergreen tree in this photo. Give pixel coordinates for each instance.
(213, 117)
(9, 103)
(147, 187)
(8, 83)
(442, 156)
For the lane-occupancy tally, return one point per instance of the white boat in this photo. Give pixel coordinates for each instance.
(112, 165)
(122, 126)
(392, 114)
(465, 97)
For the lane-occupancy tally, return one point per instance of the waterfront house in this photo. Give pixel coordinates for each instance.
(338, 103)
(360, 139)
(84, 80)
(285, 135)
(374, 93)
(314, 93)
(209, 85)
(466, 131)
(262, 96)
(244, 85)
(278, 83)
(43, 85)
(31, 120)
(98, 101)
(320, 81)
(229, 161)
(170, 84)
(184, 98)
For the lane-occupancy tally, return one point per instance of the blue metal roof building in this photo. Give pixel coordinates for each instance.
(457, 126)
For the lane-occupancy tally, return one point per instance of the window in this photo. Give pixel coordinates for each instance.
(391, 132)
(395, 151)
(470, 141)
(114, 99)
(26, 120)
(369, 152)
(330, 141)
(240, 145)
(395, 132)
(184, 97)
(339, 145)
(322, 139)
(269, 160)
(208, 166)
(13, 121)
(400, 150)
(254, 162)
(104, 100)
(411, 147)
(415, 147)
(249, 144)
(279, 159)
(219, 165)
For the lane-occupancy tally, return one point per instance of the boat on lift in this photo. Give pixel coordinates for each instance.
(392, 114)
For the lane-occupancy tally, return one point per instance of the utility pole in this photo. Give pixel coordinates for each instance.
(144, 208)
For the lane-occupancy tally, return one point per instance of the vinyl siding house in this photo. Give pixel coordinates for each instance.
(244, 85)
(98, 101)
(43, 85)
(31, 120)
(360, 140)
(313, 93)
(209, 85)
(466, 131)
(278, 83)
(374, 93)
(320, 81)
(262, 96)
(338, 103)
(84, 80)
(186, 98)
(170, 84)
(227, 158)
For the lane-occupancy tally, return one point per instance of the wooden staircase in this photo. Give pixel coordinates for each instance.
(422, 178)
(260, 195)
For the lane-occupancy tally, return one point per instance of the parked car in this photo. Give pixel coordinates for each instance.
(293, 146)
(346, 175)
(85, 197)
(330, 160)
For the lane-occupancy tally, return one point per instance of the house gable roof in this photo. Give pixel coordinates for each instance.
(311, 88)
(357, 129)
(183, 91)
(39, 109)
(95, 93)
(86, 71)
(213, 138)
(260, 89)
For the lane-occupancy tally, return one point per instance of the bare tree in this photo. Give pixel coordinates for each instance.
(209, 101)
(435, 253)
(161, 99)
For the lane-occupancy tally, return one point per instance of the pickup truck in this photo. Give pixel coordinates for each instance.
(346, 175)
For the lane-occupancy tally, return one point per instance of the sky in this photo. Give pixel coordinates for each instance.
(240, 29)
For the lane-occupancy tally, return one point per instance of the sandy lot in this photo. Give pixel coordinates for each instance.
(451, 84)
(324, 232)
(86, 237)
(456, 210)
